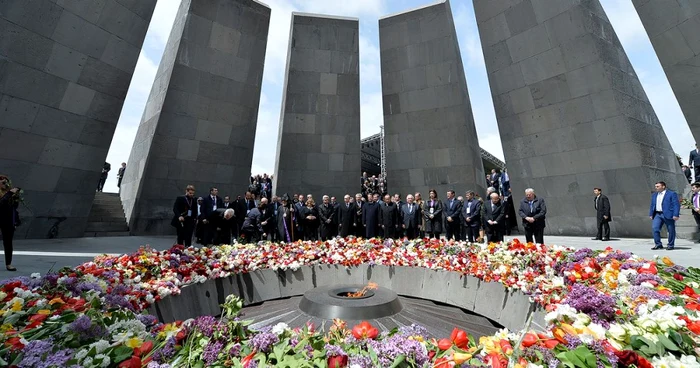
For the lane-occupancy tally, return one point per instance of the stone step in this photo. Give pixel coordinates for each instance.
(106, 226)
(99, 234)
(100, 211)
(109, 208)
(105, 218)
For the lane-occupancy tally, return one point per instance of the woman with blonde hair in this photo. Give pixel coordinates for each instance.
(9, 217)
(310, 221)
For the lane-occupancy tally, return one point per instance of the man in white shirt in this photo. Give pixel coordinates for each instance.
(664, 210)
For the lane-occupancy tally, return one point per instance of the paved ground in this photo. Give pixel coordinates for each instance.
(33, 255)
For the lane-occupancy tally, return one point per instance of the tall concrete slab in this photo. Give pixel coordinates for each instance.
(65, 68)
(572, 114)
(674, 30)
(430, 137)
(318, 148)
(199, 123)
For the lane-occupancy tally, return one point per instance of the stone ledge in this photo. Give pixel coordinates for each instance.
(489, 299)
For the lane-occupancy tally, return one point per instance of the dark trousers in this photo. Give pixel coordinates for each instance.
(310, 232)
(411, 232)
(537, 232)
(388, 232)
(184, 232)
(101, 183)
(250, 235)
(494, 234)
(697, 173)
(603, 229)
(119, 183)
(327, 231)
(8, 232)
(472, 232)
(209, 233)
(452, 229)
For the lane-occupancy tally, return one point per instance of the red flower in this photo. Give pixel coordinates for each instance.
(365, 331)
(443, 363)
(496, 360)
(14, 343)
(133, 362)
(529, 339)
(689, 292)
(629, 357)
(444, 344)
(459, 338)
(144, 349)
(248, 359)
(338, 361)
(678, 276)
(693, 306)
(693, 326)
(648, 268)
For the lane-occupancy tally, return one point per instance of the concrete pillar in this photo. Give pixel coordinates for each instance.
(572, 114)
(431, 140)
(65, 67)
(674, 30)
(199, 123)
(318, 149)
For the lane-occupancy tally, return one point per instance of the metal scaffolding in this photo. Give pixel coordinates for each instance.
(382, 152)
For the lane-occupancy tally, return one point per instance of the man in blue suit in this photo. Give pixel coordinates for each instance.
(664, 209)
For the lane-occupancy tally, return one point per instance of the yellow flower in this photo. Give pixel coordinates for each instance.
(460, 358)
(56, 301)
(416, 338)
(43, 311)
(667, 261)
(6, 327)
(134, 342)
(16, 306)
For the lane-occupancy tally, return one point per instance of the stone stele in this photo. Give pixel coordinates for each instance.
(572, 114)
(318, 149)
(199, 123)
(65, 68)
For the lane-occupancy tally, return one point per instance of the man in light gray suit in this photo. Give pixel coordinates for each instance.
(410, 218)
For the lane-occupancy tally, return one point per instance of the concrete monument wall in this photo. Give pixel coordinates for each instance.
(199, 123)
(430, 137)
(674, 30)
(572, 114)
(318, 148)
(65, 68)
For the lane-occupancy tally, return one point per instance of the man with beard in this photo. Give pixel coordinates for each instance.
(285, 222)
(326, 212)
(370, 216)
(185, 215)
(346, 217)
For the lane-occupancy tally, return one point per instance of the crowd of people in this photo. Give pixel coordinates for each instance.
(370, 185)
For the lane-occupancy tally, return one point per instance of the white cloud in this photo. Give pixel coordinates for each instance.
(162, 21)
(371, 113)
(468, 36)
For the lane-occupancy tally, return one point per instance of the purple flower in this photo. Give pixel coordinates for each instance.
(263, 341)
(147, 319)
(334, 350)
(647, 277)
(391, 348)
(85, 329)
(676, 269)
(211, 352)
(206, 325)
(167, 352)
(235, 350)
(360, 360)
(39, 354)
(600, 307)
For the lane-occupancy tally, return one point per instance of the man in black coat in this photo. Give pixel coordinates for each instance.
(360, 230)
(603, 218)
(471, 213)
(533, 211)
(494, 218)
(694, 161)
(336, 217)
(103, 176)
(370, 216)
(266, 218)
(184, 216)
(347, 218)
(223, 221)
(410, 218)
(388, 218)
(326, 212)
(211, 203)
(252, 225)
(396, 198)
(452, 210)
(695, 198)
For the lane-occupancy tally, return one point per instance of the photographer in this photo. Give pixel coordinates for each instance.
(9, 217)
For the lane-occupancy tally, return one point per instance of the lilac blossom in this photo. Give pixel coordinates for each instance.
(599, 306)
(85, 329)
(647, 277)
(211, 352)
(263, 341)
(334, 350)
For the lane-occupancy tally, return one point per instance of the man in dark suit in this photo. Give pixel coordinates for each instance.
(298, 207)
(103, 176)
(396, 198)
(240, 209)
(688, 173)
(495, 216)
(696, 205)
(453, 207)
(326, 212)
(266, 215)
(274, 207)
(388, 218)
(211, 203)
(184, 216)
(223, 221)
(360, 230)
(533, 211)
(603, 218)
(336, 217)
(120, 175)
(370, 216)
(694, 161)
(495, 180)
(347, 218)
(410, 218)
(664, 209)
(471, 213)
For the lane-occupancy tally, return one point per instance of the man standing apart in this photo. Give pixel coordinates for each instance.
(603, 218)
(472, 216)
(696, 205)
(533, 212)
(120, 175)
(664, 209)
(185, 214)
(211, 204)
(694, 161)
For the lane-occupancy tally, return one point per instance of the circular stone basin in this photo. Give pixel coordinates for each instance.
(330, 302)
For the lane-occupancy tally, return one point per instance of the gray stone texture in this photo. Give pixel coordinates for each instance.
(430, 136)
(674, 30)
(199, 123)
(65, 67)
(572, 114)
(318, 147)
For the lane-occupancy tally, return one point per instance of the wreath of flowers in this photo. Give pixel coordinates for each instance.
(605, 309)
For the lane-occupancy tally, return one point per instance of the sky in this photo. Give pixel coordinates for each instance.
(621, 13)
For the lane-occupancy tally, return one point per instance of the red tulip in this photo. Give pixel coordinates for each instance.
(459, 338)
(365, 331)
(134, 362)
(144, 349)
(444, 344)
(678, 276)
(529, 339)
(551, 343)
(338, 361)
(443, 363)
(247, 360)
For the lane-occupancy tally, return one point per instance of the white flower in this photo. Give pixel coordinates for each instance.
(557, 281)
(35, 275)
(617, 332)
(280, 328)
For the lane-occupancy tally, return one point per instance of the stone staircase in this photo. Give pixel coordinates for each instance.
(106, 217)
(686, 227)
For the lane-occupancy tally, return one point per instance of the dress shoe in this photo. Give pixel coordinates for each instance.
(596, 239)
(657, 247)
(697, 241)
(670, 248)
(606, 239)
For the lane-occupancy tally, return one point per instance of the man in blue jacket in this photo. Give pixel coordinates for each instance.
(664, 209)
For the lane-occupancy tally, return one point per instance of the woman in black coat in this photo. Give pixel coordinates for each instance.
(432, 212)
(9, 218)
(310, 221)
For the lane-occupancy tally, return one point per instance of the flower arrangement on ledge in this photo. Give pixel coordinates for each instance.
(605, 309)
